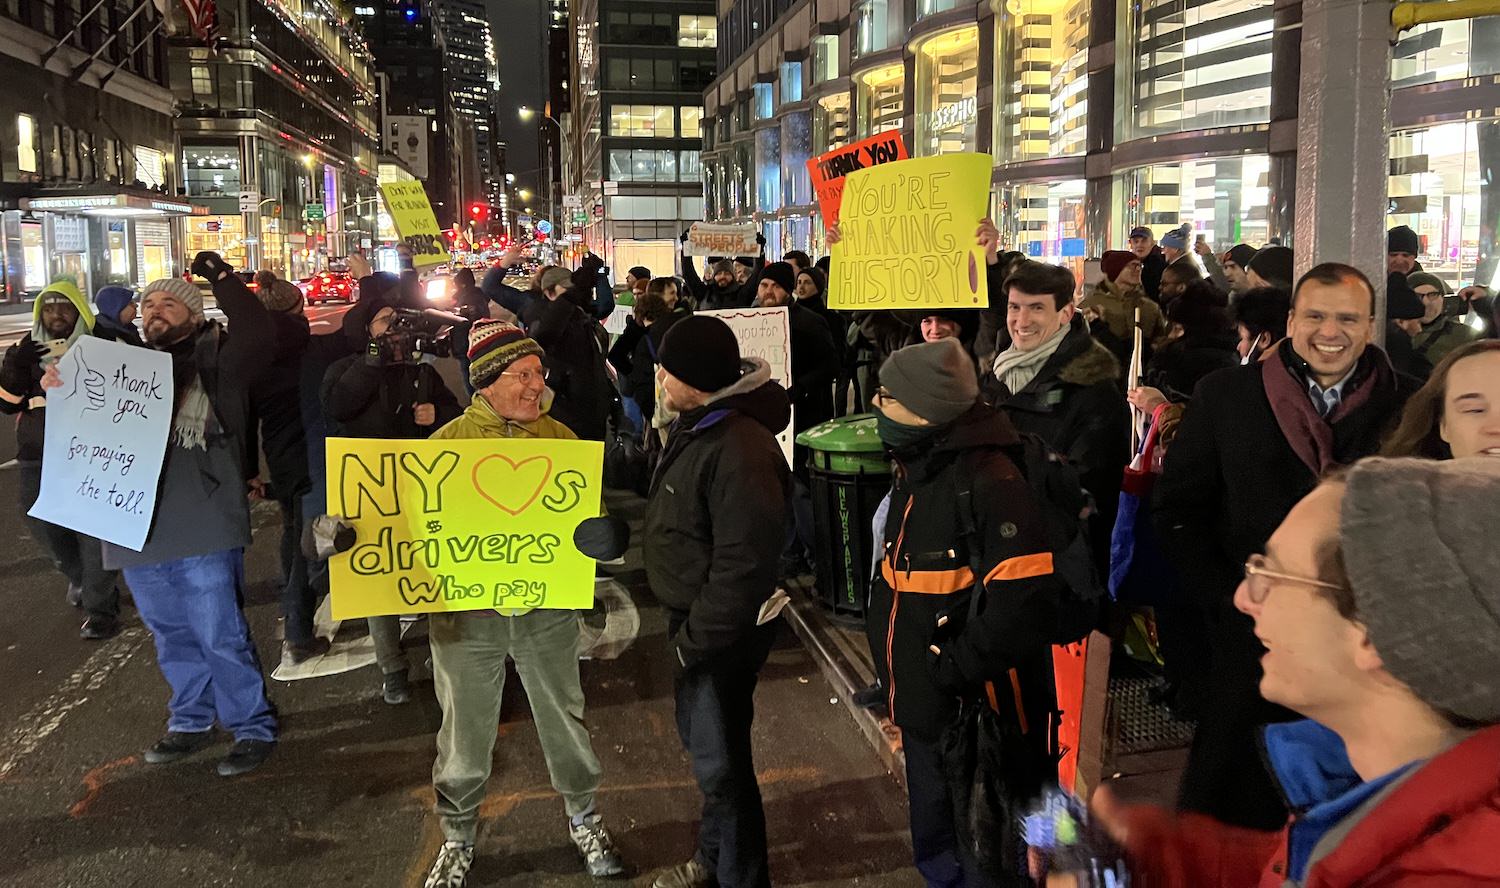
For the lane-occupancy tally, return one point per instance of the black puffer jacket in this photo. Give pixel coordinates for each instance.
(276, 410)
(641, 378)
(815, 364)
(584, 394)
(1181, 363)
(716, 520)
(926, 572)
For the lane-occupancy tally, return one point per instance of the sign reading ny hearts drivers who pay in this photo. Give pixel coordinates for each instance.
(461, 525)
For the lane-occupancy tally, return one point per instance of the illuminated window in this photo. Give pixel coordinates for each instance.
(642, 121)
(692, 122)
(150, 166)
(1041, 79)
(26, 160)
(697, 31)
(203, 82)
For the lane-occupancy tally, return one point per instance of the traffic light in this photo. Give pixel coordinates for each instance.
(479, 212)
(541, 236)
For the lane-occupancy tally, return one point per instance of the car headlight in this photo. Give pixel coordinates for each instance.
(437, 289)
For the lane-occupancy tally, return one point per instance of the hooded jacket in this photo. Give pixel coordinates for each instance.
(23, 377)
(111, 301)
(1432, 824)
(1229, 479)
(927, 571)
(201, 505)
(365, 400)
(716, 518)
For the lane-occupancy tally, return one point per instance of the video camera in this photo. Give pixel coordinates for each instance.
(416, 332)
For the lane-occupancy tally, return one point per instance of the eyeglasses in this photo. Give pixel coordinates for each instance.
(883, 394)
(526, 376)
(1258, 577)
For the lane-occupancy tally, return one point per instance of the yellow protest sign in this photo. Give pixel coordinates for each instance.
(460, 525)
(907, 235)
(412, 215)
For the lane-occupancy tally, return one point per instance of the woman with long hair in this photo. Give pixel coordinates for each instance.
(1457, 413)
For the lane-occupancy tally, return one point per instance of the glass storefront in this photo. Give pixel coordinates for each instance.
(1192, 65)
(831, 123)
(796, 148)
(1041, 79)
(211, 170)
(947, 92)
(1440, 188)
(882, 99)
(768, 170)
(1044, 221)
(224, 235)
(878, 25)
(1224, 198)
(1446, 51)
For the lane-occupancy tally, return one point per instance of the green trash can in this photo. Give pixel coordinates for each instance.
(849, 475)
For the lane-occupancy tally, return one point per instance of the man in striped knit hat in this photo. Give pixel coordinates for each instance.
(469, 648)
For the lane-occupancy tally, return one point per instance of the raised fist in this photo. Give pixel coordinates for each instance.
(210, 266)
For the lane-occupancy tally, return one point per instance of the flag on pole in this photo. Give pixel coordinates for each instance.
(203, 18)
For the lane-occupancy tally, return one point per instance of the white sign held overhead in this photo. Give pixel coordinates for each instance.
(727, 239)
(764, 333)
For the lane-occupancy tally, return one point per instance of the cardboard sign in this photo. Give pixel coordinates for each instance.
(617, 320)
(462, 525)
(412, 215)
(828, 170)
(764, 333)
(106, 438)
(726, 239)
(907, 235)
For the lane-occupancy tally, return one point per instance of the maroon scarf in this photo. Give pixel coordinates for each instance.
(1311, 435)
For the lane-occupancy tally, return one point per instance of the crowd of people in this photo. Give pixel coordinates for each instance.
(1009, 429)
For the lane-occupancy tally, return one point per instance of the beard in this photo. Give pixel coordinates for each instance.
(160, 334)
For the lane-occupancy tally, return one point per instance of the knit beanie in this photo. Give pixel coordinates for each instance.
(782, 273)
(1114, 261)
(818, 278)
(1274, 265)
(723, 266)
(1422, 568)
(495, 345)
(1402, 239)
(112, 300)
(701, 351)
(183, 291)
(1423, 279)
(283, 296)
(1401, 303)
(747, 261)
(1177, 238)
(1241, 254)
(934, 380)
(555, 277)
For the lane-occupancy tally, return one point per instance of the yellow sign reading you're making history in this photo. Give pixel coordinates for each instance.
(461, 525)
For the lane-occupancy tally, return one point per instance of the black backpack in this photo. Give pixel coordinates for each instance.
(1065, 508)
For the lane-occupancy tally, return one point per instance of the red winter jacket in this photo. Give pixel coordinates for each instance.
(1440, 828)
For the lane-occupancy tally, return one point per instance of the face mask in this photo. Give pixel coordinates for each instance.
(1256, 350)
(898, 436)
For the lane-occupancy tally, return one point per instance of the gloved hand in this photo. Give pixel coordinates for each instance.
(603, 539)
(326, 536)
(684, 237)
(760, 239)
(19, 366)
(210, 266)
(591, 262)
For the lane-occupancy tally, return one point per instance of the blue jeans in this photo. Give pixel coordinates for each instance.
(203, 644)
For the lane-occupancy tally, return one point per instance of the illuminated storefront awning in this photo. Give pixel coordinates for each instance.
(117, 204)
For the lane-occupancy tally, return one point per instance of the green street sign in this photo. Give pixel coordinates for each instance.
(314, 212)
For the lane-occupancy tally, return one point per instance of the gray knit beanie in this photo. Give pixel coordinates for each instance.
(183, 291)
(935, 380)
(556, 276)
(1425, 572)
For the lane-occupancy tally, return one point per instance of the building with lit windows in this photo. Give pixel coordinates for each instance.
(473, 79)
(89, 189)
(1101, 115)
(640, 68)
(277, 131)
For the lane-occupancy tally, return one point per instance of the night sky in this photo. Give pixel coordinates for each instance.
(520, 40)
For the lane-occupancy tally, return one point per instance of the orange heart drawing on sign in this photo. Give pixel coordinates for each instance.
(505, 482)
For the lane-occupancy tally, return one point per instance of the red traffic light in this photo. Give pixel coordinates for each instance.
(540, 237)
(479, 212)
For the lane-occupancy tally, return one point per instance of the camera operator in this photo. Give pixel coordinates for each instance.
(389, 390)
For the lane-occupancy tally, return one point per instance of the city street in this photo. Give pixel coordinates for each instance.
(346, 798)
(320, 317)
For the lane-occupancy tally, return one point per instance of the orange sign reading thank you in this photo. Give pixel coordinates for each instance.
(828, 170)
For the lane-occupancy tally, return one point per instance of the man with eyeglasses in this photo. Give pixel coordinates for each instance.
(469, 648)
(1440, 332)
(1375, 613)
(1256, 440)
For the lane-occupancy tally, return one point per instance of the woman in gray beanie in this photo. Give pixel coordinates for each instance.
(1378, 604)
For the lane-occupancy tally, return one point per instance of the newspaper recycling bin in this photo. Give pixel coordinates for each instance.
(849, 476)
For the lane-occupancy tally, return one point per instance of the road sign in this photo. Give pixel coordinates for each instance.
(314, 212)
(573, 201)
(249, 201)
(611, 188)
(544, 226)
(251, 241)
(213, 225)
(523, 219)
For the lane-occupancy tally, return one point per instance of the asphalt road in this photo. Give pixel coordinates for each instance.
(321, 317)
(346, 799)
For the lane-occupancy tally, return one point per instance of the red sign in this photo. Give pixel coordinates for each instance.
(828, 170)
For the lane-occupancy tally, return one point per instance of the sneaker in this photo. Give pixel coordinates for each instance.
(396, 689)
(451, 869)
(176, 745)
(870, 697)
(75, 595)
(301, 653)
(99, 628)
(597, 848)
(245, 756)
(685, 875)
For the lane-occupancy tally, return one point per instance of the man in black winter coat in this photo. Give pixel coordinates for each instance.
(1054, 381)
(385, 392)
(714, 526)
(960, 517)
(1153, 261)
(722, 290)
(1255, 440)
(561, 323)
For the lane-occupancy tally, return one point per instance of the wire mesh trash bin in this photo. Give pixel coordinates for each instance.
(849, 476)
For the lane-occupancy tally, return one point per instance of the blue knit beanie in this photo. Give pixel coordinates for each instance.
(112, 300)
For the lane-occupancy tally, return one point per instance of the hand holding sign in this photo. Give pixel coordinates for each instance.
(456, 525)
